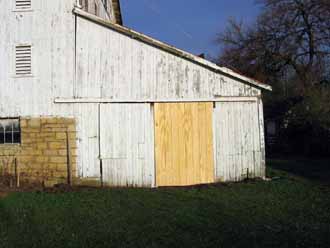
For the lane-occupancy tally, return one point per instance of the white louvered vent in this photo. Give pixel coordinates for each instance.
(23, 60)
(23, 4)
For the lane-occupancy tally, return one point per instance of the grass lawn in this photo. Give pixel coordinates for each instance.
(289, 212)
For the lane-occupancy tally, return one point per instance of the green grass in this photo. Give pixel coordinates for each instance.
(288, 212)
(313, 169)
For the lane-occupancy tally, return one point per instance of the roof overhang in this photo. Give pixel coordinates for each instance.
(117, 11)
(171, 49)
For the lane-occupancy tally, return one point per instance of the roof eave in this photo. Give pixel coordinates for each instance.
(171, 49)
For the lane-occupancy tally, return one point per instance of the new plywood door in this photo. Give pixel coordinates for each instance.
(184, 144)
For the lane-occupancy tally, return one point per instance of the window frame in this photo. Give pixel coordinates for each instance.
(12, 132)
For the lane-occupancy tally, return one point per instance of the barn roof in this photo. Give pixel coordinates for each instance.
(171, 49)
(117, 11)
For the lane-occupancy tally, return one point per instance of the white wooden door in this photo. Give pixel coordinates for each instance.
(127, 144)
(88, 131)
(237, 141)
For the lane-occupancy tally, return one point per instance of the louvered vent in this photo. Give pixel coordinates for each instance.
(23, 4)
(23, 60)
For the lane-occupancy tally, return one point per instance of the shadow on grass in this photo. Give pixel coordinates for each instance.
(312, 169)
(251, 214)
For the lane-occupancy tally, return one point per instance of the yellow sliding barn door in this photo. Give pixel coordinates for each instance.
(184, 144)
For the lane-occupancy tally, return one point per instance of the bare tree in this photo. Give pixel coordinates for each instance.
(291, 38)
(288, 47)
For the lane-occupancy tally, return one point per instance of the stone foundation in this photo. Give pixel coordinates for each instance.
(42, 156)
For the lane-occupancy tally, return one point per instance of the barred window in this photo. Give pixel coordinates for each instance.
(10, 131)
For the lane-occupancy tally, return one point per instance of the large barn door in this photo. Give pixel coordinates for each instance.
(184, 144)
(238, 149)
(126, 144)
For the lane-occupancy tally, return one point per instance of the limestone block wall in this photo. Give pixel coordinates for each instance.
(42, 155)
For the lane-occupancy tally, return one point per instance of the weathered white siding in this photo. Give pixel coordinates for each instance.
(49, 27)
(127, 144)
(238, 149)
(113, 65)
(97, 7)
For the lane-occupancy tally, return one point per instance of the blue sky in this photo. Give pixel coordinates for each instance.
(191, 25)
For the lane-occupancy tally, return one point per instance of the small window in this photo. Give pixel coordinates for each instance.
(10, 131)
(23, 60)
(23, 4)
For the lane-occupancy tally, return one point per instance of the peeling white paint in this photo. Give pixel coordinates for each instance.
(79, 65)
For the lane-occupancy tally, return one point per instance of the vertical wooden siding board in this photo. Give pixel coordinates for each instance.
(189, 141)
(221, 139)
(158, 144)
(131, 150)
(195, 140)
(161, 158)
(226, 146)
(237, 149)
(201, 140)
(239, 152)
(232, 170)
(257, 154)
(215, 145)
(256, 140)
(151, 139)
(183, 167)
(173, 117)
(225, 143)
(206, 162)
(221, 163)
(217, 137)
(210, 148)
(251, 166)
(262, 140)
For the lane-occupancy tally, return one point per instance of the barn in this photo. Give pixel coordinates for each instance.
(86, 100)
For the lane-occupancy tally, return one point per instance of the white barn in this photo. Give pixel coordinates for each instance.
(84, 96)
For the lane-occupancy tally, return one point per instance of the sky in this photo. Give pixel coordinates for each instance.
(191, 25)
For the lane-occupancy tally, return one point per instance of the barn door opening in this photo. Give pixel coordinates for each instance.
(184, 144)
(127, 144)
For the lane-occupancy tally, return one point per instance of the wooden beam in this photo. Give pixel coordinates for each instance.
(109, 100)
